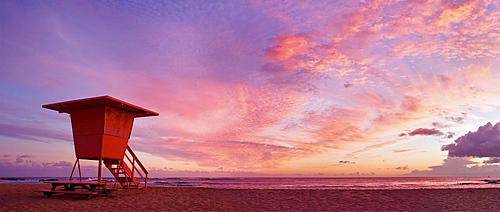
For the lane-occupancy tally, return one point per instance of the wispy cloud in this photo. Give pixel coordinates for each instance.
(402, 150)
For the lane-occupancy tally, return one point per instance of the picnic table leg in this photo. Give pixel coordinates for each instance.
(88, 188)
(87, 196)
(105, 190)
(69, 188)
(49, 194)
(54, 187)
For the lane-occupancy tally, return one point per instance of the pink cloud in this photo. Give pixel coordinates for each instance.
(457, 13)
(289, 46)
(402, 150)
(223, 153)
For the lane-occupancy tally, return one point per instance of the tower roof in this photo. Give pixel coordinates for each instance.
(101, 101)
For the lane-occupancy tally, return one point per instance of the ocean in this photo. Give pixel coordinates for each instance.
(352, 183)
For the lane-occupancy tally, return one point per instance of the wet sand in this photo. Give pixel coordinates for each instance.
(22, 197)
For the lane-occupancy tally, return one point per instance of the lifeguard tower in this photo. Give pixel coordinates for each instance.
(101, 130)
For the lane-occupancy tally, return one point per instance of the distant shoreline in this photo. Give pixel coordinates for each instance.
(22, 197)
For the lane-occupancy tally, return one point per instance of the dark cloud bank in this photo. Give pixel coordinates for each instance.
(457, 167)
(485, 142)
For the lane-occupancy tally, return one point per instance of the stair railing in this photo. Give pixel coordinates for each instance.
(143, 173)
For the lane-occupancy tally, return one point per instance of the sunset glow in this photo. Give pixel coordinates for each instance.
(260, 88)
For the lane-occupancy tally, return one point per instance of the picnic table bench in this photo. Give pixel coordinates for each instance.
(87, 189)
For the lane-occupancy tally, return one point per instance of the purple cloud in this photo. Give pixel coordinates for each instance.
(29, 168)
(492, 160)
(402, 134)
(485, 142)
(458, 120)
(449, 135)
(19, 159)
(59, 164)
(402, 168)
(439, 125)
(428, 132)
(458, 167)
(425, 131)
(348, 85)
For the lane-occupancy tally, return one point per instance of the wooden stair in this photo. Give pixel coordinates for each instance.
(127, 171)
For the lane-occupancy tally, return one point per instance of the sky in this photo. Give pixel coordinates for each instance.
(259, 88)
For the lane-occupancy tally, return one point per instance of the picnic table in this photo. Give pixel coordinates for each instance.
(87, 189)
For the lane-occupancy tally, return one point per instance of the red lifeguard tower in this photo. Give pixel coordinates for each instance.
(101, 130)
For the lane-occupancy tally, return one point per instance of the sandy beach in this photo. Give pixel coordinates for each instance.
(22, 197)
